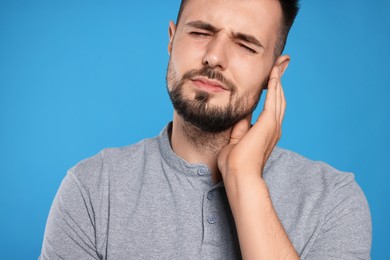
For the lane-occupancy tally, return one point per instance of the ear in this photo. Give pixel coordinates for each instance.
(171, 32)
(282, 62)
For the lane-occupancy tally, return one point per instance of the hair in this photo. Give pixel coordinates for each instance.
(289, 12)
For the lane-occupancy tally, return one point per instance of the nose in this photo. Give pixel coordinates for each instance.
(215, 56)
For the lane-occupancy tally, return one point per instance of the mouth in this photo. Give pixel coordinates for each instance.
(209, 85)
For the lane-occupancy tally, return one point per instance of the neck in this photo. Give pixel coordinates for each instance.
(195, 146)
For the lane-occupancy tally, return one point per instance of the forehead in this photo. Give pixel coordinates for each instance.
(258, 17)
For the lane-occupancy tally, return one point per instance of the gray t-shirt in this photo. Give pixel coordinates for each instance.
(144, 202)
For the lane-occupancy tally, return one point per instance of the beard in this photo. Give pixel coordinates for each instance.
(199, 112)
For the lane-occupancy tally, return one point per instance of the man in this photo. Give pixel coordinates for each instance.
(212, 186)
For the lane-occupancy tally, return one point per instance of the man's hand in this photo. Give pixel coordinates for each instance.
(250, 147)
(241, 162)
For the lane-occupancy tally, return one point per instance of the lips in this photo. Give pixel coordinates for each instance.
(209, 85)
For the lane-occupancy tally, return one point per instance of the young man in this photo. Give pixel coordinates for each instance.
(212, 186)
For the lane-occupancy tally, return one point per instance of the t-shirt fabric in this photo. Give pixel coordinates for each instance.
(144, 202)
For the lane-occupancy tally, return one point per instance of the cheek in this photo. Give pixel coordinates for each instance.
(186, 56)
(250, 78)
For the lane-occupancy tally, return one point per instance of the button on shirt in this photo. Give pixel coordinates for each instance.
(202, 170)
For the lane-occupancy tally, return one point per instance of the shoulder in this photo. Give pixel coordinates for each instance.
(328, 202)
(79, 215)
(291, 167)
(97, 168)
(292, 172)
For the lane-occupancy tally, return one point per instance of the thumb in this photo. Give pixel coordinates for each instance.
(240, 129)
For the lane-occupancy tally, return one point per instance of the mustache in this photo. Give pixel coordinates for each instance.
(211, 74)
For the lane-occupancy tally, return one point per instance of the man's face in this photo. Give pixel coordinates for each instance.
(222, 52)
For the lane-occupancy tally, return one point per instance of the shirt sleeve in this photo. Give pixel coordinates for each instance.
(70, 228)
(346, 229)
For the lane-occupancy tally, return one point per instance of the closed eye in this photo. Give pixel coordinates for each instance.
(199, 34)
(246, 48)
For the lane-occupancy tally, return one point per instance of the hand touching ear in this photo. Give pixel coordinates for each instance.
(250, 147)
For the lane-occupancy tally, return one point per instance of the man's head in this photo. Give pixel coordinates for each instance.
(289, 10)
(222, 52)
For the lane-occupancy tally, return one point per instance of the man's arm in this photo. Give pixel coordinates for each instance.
(260, 233)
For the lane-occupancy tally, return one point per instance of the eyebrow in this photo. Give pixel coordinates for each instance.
(237, 35)
(249, 39)
(203, 26)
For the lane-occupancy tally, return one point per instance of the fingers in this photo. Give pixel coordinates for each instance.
(283, 105)
(278, 101)
(275, 102)
(271, 97)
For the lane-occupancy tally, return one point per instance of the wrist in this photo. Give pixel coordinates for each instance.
(246, 186)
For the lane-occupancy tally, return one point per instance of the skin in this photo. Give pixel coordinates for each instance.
(236, 156)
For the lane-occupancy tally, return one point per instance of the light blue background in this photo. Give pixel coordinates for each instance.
(78, 76)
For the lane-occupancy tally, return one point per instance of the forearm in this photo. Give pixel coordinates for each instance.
(260, 233)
